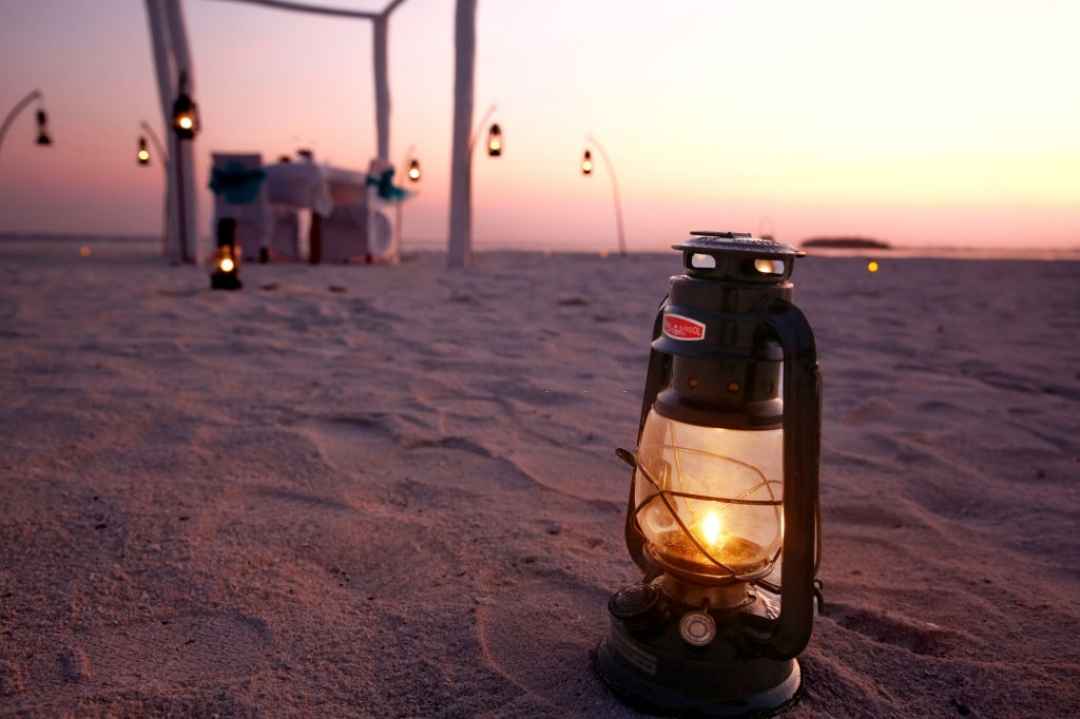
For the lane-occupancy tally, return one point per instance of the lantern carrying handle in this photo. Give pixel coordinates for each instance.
(802, 456)
(654, 382)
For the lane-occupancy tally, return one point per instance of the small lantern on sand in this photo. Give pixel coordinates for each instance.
(723, 516)
(225, 274)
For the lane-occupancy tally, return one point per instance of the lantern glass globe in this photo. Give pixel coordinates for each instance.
(710, 499)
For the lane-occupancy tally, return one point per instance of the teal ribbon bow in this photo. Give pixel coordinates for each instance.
(385, 187)
(239, 185)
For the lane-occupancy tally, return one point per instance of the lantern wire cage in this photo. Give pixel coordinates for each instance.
(761, 581)
(666, 495)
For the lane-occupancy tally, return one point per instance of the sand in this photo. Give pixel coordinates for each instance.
(391, 491)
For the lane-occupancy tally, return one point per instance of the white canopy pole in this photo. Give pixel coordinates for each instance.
(459, 244)
(183, 156)
(382, 88)
(166, 79)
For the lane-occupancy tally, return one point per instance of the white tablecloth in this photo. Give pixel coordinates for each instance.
(305, 185)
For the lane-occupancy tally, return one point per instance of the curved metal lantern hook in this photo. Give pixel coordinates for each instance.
(620, 231)
(19, 107)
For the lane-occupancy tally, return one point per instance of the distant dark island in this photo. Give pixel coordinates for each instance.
(847, 243)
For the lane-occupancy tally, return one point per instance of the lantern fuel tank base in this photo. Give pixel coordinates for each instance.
(225, 281)
(660, 674)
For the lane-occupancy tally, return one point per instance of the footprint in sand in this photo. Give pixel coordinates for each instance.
(543, 646)
(172, 650)
(914, 635)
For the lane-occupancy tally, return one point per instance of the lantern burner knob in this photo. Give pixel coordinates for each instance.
(634, 601)
(697, 628)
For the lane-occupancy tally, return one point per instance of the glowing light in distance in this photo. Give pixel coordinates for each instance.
(85, 251)
(144, 155)
(227, 265)
(872, 266)
(185, 122)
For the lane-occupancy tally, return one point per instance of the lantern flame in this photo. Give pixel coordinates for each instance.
(144, 156)
(712, 529)
(227, 265)
(185, 122)
(872, 266)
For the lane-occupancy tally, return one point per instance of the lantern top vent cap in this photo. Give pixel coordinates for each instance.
(712, 242)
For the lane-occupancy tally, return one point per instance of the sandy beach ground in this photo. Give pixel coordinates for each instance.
(391, 491)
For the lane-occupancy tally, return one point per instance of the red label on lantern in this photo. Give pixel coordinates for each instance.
(682, 328)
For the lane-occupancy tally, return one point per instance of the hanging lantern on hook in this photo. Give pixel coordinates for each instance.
(142, 155)
(586, 163)
(185, 114)
(495, 141)
(43, 137)
(414, 170)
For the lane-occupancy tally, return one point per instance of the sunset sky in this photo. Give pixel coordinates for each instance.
(923, 123)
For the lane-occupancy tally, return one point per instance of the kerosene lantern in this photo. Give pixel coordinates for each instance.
(586, 163)
(226, 268)
(142, 155)
(414, 170)
(495, 141)
(185, 113)
(43, 136)
(723, 516)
